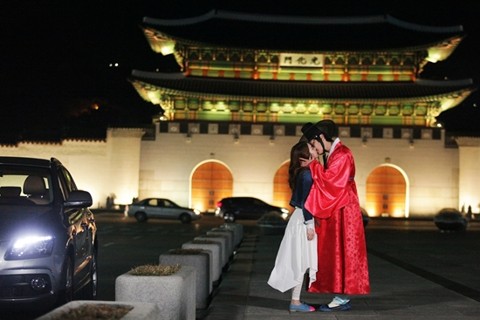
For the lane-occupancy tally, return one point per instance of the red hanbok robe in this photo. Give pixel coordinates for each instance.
(333, 201)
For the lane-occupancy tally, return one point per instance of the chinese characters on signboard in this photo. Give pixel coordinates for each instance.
(301, 60)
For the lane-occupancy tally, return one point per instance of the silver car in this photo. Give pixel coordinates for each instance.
(160, 208)
(48, 244)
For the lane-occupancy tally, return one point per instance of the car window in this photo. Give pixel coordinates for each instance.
(168, 203)
(242, 202)
(152, 202)
(257, 202)
(25, 186)
(66, 181)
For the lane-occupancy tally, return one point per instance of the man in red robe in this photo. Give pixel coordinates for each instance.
(333, 201)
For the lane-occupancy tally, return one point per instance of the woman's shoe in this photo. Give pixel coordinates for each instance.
(301, 308)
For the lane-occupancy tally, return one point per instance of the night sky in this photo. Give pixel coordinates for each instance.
(56, 58)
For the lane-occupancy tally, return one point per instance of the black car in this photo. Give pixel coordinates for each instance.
(48, 244)
(450, 219)
(365, 217)
(235, 208)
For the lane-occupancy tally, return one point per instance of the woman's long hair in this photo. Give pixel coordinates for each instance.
(299, 150)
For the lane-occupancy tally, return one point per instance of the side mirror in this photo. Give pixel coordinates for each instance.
(78, 199)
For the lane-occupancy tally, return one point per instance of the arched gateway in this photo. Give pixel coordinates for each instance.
(281, 189)
(387, 188)
(211, 181)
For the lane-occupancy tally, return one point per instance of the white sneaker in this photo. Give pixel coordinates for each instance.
(337, 301)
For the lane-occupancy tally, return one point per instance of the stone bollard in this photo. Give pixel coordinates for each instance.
(227, 233)
(237, 231)
(223, 242)
(199, 259)
(173, 294)
(215, 248)
(86, 310)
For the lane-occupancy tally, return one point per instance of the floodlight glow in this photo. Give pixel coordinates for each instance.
(167, 47)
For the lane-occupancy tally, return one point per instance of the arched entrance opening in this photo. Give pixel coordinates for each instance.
(210, 182)
(387, 192)
(281, 189)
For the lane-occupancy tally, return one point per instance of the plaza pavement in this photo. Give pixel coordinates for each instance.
(416, 272)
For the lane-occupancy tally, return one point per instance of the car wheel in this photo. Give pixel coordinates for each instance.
(66, 292)
(141, 216)
(229, 217)
(185, 218)
(91, 288)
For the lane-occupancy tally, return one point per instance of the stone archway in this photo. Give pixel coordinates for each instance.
(211, 181)
(281, 189)
(386, 192)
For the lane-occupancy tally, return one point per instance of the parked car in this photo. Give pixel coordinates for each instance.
(48, 243)
(365, 217)
(160, 208)
(450, 219)
(272, 223)
(235, 208)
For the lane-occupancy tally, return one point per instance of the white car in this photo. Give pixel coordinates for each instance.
(160, 208)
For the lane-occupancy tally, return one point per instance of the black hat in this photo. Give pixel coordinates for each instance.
(310, 131)
(328, 128)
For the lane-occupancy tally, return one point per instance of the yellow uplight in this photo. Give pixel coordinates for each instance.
(167, 47)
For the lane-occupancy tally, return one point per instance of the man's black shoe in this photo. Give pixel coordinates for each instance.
(343, 307)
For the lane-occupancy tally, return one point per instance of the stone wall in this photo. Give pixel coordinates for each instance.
(127, 166)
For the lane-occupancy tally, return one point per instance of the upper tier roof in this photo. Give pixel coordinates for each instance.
(302, 33)
(420, 89)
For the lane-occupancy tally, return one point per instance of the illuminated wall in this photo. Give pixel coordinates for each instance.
(469, 154)
(162, 165)
(168, 161)
(104, 168)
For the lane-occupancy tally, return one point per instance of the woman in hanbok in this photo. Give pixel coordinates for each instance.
(297, 253)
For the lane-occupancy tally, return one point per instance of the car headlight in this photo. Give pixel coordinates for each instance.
(197, 212)
(30, 247)
(285, 213)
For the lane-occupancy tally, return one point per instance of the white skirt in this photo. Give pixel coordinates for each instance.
(295, 256)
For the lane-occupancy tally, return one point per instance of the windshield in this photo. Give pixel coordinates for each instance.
(25, 186)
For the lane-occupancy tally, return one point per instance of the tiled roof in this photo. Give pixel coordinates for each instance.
(301, 89)
(231, 29)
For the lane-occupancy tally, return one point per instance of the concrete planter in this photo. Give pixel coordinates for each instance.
(215, 250)
(199, 259)
(226, 233)
(71, 310)
(237, 232)
(174, 294)
(223, 240)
